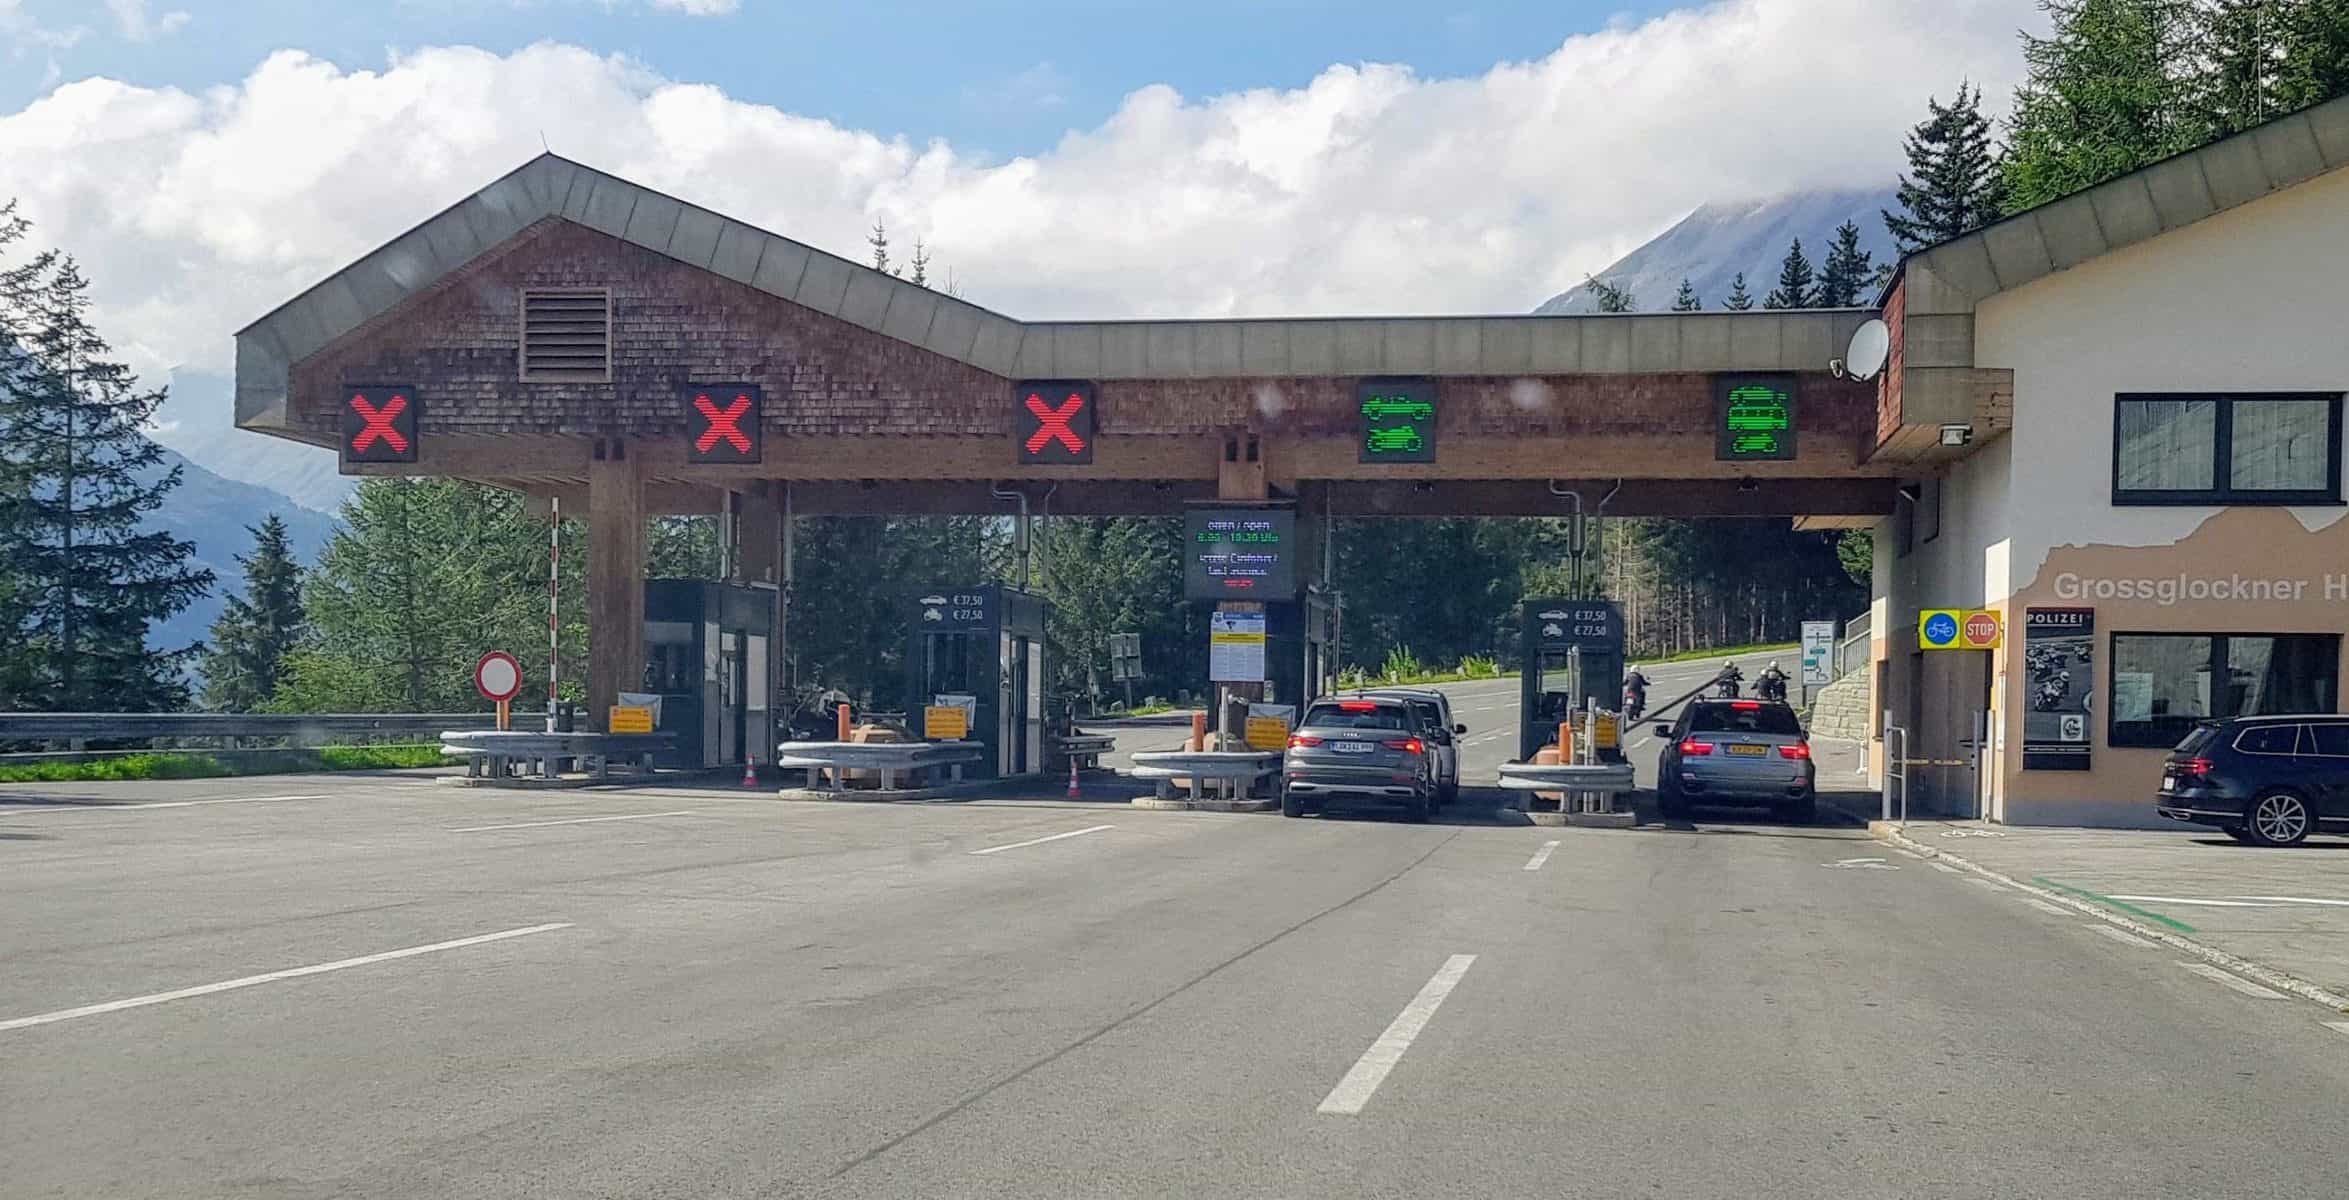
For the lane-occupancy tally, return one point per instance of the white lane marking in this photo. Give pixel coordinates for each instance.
(1541, 856)
(1938, 865)
(2121, 935)
(2045, 907)
(1862, 864)
(1992, 884)
(2236, 982)
(1371, 1069)
(2202, 903)
(682, 812)
(91, 1010)
(106, 808)
(1048, 838)
(2298, 900)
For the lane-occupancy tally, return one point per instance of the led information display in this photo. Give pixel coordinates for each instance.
(1239, 554)
(1753, 417)
(1398, 420)
(721, 422)
(1052, 421)
(379, 424)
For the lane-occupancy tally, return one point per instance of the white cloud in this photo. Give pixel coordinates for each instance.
(131, 17)
(18, 27)
(699, 8)
(1036, 89)
(1368, 190)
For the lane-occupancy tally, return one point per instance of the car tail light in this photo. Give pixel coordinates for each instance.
(1797, 750)
(1746, 705)
(1356, 706)
(1406, 745)
(1299, 739)
(2196, 767)
(1696, 749)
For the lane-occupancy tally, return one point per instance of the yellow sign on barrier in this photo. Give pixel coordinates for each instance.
(627, 718)
(946, 722)
(1268, 733)
(1608, 735)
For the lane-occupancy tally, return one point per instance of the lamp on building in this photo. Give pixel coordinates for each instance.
(1956, 435)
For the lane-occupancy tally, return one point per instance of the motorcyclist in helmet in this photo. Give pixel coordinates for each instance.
(1771, 683)
(1635, 693)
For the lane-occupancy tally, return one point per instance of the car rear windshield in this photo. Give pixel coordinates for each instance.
(1737, 718)
(2196, 739)
(1359, 714)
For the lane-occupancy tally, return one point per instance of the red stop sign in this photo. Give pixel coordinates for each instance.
(1981, 630)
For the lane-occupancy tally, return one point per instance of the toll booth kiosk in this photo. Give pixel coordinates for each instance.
(985, 644)
(1572, 651)
(1298, 665)
(708, 654)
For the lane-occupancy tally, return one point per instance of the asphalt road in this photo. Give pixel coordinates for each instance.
(312, 986)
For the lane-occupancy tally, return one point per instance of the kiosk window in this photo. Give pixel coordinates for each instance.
(2163, 683)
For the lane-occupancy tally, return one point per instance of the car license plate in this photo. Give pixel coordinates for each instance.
(1749, 751)
(1350, 747)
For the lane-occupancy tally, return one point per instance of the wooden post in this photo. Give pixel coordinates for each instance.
(505, 715)
(615, 579)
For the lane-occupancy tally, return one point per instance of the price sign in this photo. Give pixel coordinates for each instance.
(1398, 420)
(1753, 418)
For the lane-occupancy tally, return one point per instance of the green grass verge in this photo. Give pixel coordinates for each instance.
(179, 765)
(1723, 652)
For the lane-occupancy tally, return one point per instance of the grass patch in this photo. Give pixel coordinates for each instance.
(182, 765)
(1724, 652)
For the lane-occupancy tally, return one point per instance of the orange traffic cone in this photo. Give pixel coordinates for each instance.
(750, 771)
(1072, 778)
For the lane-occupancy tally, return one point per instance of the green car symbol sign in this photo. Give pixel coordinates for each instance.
(1402, 439)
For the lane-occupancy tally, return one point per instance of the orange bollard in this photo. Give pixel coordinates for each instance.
(1199, 730)
(843, 732)
(1566, 742)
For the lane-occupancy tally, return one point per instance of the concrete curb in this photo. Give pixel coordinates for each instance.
(1891, 833)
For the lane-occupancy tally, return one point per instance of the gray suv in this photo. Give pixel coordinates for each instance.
(1374, 749)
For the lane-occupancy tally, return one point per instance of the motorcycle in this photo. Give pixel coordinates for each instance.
(1635, 702)
(1726, 686)
(1772, 686)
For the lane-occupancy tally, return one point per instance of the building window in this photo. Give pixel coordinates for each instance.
(2251, 448)
(2163, 683)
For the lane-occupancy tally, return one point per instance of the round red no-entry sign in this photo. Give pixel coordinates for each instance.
(497, 676)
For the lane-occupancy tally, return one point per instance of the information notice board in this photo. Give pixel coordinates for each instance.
(1240, 554)
(2059, 659)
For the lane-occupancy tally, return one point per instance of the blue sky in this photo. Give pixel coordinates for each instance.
(993, 77)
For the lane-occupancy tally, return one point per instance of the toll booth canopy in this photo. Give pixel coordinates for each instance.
(1572, 651)
(981, 649)
(708, 654)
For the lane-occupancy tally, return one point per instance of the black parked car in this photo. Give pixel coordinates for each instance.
(2268, 781)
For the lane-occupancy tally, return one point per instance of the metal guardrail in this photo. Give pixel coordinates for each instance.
(1598, 778)
(1851, 653)
(300, 729)
(1086, 748)
(491, 752)
(1241, 768)
(887, 759)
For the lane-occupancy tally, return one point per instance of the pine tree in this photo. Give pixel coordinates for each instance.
(253, 634)
(1609, 297)
(1953, 184)
(1794, 288)
(2106, 92)
(1739, 299)
(920, 276)
(1848, 269)
(879, 241)
(79, 482)
(2243, 44)
(1686, 300)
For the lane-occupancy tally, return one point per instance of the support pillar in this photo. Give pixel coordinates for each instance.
(615, 579)
(1240, 476)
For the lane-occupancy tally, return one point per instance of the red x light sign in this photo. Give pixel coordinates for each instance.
(722, 423)
(1052, 420)
(379, 424)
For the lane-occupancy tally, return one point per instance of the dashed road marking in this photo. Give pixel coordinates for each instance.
(1541, 856)
(1371, 1069)
(2236, 982)
(2121, 935)
(682, 812)
(91, 1010)
(1048, 838)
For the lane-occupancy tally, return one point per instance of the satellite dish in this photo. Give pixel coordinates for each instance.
(1870, 344)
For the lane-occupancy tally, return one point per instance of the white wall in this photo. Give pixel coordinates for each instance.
(2251, 299)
